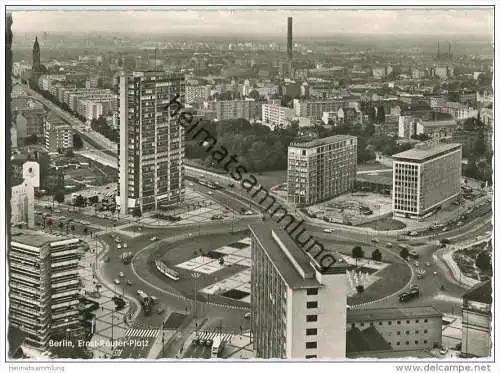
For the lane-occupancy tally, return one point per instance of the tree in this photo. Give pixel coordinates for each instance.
(77, 141)
(85, 231)
(61, 225)
(377, 255)
(483, 261)
(137, 213)
(369, 130)
(357, 252)
(49, 223)
(480, 144)
(404, 253)
(360, 288)
(381, 115)
(79, 201)
(59, 196)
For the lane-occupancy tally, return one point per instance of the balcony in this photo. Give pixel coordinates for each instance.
(30, 280)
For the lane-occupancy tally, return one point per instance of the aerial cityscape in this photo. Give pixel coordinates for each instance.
(247, 184)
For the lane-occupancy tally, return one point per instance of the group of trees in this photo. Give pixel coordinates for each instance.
(376, 114)
(479, 163)
(358, 253)
(101, 125)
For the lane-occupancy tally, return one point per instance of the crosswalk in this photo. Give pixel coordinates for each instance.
(226, 337)
(142, 333)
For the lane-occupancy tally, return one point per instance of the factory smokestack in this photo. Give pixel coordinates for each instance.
(289, 39)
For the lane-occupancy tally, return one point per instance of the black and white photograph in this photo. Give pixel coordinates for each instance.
(248, 183)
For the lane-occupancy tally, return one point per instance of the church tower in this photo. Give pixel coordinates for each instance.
(36, 56)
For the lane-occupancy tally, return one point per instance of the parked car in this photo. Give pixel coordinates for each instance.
(119, 246)
(444, 351)
(125, 245)
(210, 193)
(413, 254)
(389, 244)
(375, 239)
(328, 230)
(154, 238)
(129, 283)
(116, 281)
(248, 315)
(121, 274)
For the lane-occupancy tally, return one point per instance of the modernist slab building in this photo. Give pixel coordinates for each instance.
(321, 169)
(44, 286)
(298, 305)
(425, 177)
(151, 150)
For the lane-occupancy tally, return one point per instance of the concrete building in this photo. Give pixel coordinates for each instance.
(44, 286)
(298, 304)
(275, 116)
(392, 329)
(58, 134)
(425, 177)
(477, 320)
(457, 110)
(151, 151)
(321, 169)
(31, 172)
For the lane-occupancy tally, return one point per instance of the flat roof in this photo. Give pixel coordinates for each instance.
(320, 142)
(481, 292)
(426, 153)
(33, 238)
(263, 233)
(354, 315)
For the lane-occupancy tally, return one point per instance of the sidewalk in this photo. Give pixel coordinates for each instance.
(110, 324)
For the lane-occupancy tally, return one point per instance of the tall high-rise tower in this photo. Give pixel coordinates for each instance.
(36, 56)
(289, 39)
(151, 150)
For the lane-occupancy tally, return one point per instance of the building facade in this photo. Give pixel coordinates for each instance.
(436, 129)
(233, 109)
(44, 286)
(197, 94)
(425, 177)
(315, 109)
(22, 204)
(477, 320)
(297, 305)
(151, 151)
(58, 135)
(321, 169)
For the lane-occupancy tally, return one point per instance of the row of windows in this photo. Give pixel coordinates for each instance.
(399, 322)
(408, 342)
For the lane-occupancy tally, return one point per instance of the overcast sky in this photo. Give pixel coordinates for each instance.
(257, 22)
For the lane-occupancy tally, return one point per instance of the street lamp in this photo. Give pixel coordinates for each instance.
(196, 276)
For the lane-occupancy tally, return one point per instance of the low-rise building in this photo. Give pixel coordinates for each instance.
(392, 329)
(477, 320)
(436, 129)
(22, 203)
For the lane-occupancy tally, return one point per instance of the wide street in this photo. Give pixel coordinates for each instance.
(173, 296)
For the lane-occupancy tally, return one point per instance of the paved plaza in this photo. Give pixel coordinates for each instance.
(236, 286)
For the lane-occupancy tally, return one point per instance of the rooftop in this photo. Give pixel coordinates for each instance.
(323, 141)
(382, 178)
(420, 154)
(355, 315)
(480, 293)
(33, 238)
(282, 258)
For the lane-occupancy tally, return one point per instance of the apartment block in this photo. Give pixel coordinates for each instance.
(58, 134)
(276, 116)
(315, 109)
(297, 303)
(437, 129)
(44, 286)
(425, 177)
(321, 169)
(151, 151)
(233, 109)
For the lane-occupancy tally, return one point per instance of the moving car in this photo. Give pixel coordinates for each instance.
(443, 351)
(116, 281)
(375, 239)
(210, 193)
(248, 315)
(119, 246)
(129, 283)
(125, 245)
(389, 244)
(413, 254)
(154, 238)
(328, 230)
(121, 274)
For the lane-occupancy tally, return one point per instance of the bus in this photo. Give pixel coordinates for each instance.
(217, 346)
(161, 266)
(145, 301)
(208, 184)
